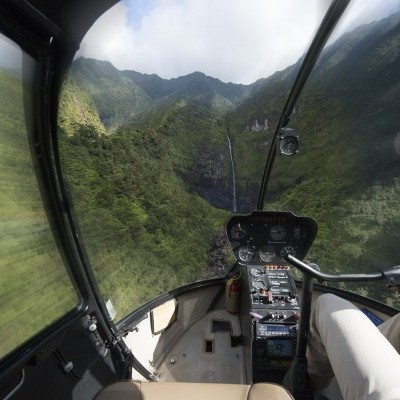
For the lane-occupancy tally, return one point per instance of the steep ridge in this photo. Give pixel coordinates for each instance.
(336, 113)
(124, 97)
(173, 133)
(194, 84)
(117, 99)
(78, 111)
(249, 112)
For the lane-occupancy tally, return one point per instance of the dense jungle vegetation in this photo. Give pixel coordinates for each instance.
(35, 289)
(165, 152)
(148, 169)
(144, 231)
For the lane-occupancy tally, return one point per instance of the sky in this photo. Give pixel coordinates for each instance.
(10, 54)
(233, 40)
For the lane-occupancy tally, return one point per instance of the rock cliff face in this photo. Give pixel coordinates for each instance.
(77, 111)
(258, 124)
(208, 177)
(247, 198)
(218, 255)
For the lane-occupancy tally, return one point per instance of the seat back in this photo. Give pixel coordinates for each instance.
(134, 390)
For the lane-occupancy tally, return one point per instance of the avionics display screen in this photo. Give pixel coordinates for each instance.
(277, 328)
(280, 348)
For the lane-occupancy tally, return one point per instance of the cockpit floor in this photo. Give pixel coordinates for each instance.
(209, 351)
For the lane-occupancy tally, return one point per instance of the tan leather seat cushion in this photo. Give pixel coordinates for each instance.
(131, 390)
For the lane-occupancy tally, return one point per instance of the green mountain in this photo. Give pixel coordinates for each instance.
(31, 269)
(117, 98)
(124, 97)
(175, 134)
(189, 110)
(195, 84)
(356, 118)
(347, 173)
(335, 92)
(197, 111)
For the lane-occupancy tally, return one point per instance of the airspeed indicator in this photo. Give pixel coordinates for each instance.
(246, 253)
(277, 232)
(238, 231)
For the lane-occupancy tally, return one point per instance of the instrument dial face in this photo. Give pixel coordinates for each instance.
(238, 231)
(289, 145)
(288, 250)
(297, 232)
(258, 285)
(256, 272)
(267, 253)
(246, 253)
(277, 232)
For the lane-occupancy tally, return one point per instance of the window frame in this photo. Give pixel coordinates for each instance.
(37, 37)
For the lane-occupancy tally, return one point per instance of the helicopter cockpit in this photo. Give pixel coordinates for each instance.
(182, 182)
(261, 242)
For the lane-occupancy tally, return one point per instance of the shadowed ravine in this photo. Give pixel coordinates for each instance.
(234, 202)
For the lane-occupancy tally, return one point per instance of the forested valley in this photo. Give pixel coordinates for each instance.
(148, 168)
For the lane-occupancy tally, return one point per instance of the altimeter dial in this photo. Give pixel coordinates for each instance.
(277, 232)
(256, 272)
(238, 231)
(246, 253)
(259, 285)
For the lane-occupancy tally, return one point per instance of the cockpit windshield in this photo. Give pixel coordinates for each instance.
(165, 123)
(346, 172)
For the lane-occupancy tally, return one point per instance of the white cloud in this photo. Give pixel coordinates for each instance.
(361, 12)
(11, 54)
(106, 38)
(233, 40)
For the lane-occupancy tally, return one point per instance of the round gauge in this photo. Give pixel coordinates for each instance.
(267, 253)
(238, 231)
(289, 145)
(258, 284)
(277, 232)
(297, 232)
(256, 272)
(288, 250)
(246, 253)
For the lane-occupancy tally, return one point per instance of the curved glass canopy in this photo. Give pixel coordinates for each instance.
(167, 117)
(346, 173)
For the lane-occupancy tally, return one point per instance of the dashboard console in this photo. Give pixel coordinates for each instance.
(274, 309)
(265, 237)
(270, 305)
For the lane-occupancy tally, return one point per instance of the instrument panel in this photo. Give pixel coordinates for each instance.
(265, 237)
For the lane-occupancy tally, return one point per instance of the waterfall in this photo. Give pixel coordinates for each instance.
(233, 173)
